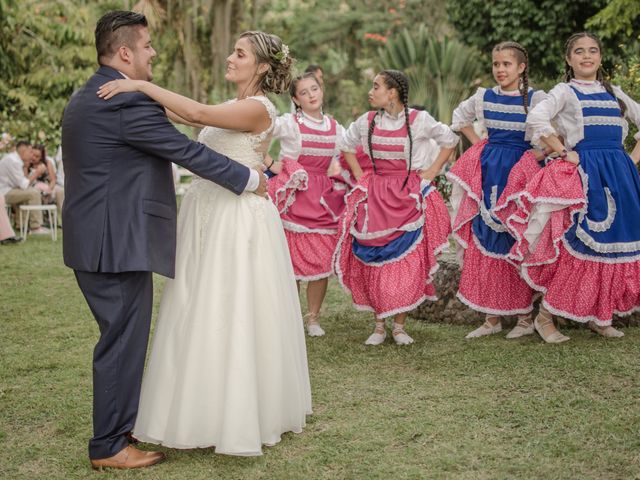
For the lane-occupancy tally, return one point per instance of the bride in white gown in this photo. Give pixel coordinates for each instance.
(228, 365)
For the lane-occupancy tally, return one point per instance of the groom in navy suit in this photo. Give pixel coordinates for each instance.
(120, 221)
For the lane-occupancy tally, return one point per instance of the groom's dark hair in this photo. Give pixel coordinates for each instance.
(115, 29)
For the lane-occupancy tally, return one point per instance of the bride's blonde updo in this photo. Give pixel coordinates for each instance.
(269, 49)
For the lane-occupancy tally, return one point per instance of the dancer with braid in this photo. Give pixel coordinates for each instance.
(490, 281)
(580, 229)
(304, 194)
(395, 222)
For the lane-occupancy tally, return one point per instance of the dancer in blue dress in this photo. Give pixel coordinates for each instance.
(581, 236)
(490, 281)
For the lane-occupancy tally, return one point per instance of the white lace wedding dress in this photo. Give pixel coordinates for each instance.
(228, 364)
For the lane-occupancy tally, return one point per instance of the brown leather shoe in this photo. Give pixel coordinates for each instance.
(129, 457)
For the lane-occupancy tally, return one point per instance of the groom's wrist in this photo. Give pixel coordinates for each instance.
(253, 182)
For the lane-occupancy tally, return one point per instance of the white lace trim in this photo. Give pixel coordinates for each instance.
(604, 120)
(502, 108)
(487, 253)
(294, 227)
(487, 215)
(546, 131)
(317, 152)
(397, 141)
(297, 181)
(453, 178)
(599, 104)
(494, 311)
(591, 258)
(408, 227)
(588, 318)
(504, 125)
(313, 278)
(327, 139)
(273, 114)
(323, 202)
(389, 155)
(615, 247)
(340, 274)
(367, 308)
(604, 225)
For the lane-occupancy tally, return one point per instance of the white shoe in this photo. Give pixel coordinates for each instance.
(400, 336)
(607, 331)
(521, 329)
(378, 336)
(555, 336)
(485, 329)
(40, 231)
(313, 327)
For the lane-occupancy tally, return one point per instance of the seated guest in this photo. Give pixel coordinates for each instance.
(7, 235)
(16, 188)
(47, 183)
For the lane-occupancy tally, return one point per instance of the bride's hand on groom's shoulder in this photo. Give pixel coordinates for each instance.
(115, 87)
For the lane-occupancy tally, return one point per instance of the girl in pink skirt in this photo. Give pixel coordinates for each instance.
(490, 281)
(395, 222)
(309, 201)
(578, 223)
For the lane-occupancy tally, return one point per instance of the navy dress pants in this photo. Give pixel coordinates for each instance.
(121, 304)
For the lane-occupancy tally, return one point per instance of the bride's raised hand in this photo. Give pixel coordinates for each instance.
(115, 87)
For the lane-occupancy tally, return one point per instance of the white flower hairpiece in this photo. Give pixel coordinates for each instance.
(283, 54)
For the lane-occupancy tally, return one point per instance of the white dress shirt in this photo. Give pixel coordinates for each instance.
(12, 174)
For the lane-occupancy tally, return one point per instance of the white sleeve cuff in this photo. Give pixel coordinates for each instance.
(254, 181)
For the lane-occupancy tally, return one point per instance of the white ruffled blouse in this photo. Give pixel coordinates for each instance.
(428, 135)
(561, 113)
(471, 110)
(286, 130)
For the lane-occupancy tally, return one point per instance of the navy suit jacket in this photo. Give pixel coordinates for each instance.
(119, 211)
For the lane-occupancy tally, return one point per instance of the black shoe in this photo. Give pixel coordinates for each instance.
(11, 241)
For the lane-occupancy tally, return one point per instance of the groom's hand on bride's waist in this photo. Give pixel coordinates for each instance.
(261, 190)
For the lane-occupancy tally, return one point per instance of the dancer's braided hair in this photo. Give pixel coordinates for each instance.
(521, 57)
(394, 79)
(568, 71)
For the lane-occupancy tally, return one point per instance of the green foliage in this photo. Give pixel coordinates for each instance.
(627, 76)
(442, 72)
(46, 52)
(540, 26)
(620, 20)
(344, 38)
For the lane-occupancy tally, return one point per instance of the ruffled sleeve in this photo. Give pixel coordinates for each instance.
(467, 112)
(632, 108)
(288, 133)
(352, 136)
(428, 126)
(539, 120)
(537, 97)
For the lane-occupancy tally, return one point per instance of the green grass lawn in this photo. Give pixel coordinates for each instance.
(444, 407)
